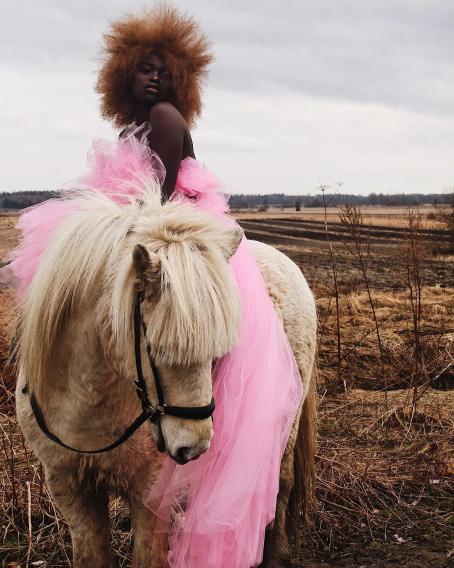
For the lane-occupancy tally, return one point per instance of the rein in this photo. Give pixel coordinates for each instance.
(149, 412)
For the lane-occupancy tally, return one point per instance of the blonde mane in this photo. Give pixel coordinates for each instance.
(88, 266)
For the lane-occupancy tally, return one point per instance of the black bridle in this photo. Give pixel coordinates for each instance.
(149, 412)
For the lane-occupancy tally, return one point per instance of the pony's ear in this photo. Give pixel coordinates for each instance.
(233, 242)
(148, 270)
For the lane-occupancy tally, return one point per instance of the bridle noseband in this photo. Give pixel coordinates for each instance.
(149, 412)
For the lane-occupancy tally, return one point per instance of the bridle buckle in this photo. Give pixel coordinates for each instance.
(161, 408)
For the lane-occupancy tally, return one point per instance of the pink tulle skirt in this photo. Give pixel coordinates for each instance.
(216, 509)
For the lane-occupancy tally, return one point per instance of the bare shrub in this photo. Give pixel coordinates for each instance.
(323, 189)
(350, 216)
(412, 253)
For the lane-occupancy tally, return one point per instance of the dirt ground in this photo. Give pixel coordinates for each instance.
(385, 459)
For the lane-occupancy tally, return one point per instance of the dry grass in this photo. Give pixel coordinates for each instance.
(383, 476)
(360, 353)
(9, 235)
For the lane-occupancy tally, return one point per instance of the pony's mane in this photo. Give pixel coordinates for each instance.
(89, 262)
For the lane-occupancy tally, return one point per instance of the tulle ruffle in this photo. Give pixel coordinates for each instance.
(119, 169)
(37, 224)
(197, 185)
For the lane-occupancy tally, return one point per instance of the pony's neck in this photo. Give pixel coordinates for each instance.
(87, 396)
(83, 372)
(92, 368)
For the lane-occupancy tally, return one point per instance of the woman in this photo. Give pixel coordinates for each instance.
(150, 85)
(153, 72)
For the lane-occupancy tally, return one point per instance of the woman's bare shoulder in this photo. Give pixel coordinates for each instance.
(166, 114)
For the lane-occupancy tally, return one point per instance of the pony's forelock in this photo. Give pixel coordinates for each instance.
(195, 316)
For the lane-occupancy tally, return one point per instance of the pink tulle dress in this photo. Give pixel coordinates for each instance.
(216, 508)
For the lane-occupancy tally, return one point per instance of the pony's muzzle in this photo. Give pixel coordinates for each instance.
(187, 440)
(184, 455)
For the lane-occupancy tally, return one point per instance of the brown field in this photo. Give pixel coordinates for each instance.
(385, 460)
(388, 216)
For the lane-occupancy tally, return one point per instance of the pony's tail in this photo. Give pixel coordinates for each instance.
(302, 494)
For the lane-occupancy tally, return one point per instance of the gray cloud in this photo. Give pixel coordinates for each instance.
(397, 54)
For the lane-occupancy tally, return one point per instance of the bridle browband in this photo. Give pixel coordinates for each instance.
(149, 412)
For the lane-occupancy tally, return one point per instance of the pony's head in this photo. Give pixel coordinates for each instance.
(190, 308)
(173, 254)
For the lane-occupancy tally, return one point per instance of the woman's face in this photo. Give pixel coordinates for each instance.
(151, 81)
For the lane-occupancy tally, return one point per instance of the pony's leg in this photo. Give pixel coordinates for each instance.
(85, 507)
(277, 547)
(150, 545)
(297, 476)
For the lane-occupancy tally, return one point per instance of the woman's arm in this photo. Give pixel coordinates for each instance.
(166, 138)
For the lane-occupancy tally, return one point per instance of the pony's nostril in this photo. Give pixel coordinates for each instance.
(182, 455)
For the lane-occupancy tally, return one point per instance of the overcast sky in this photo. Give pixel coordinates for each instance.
(302, 92)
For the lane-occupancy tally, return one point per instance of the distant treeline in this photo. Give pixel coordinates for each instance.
(243, 201)
(21, 199)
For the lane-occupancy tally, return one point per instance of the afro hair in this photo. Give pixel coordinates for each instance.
(176, 38)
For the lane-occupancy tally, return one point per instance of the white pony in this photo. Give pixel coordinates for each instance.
(76, 356)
